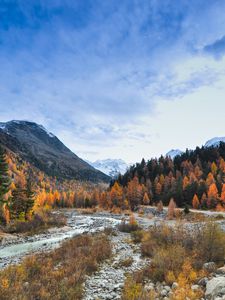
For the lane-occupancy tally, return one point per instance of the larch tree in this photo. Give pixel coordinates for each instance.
(146, 199)
(195, 202)
(171, 209)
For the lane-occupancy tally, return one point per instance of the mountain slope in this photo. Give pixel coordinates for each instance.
(111, 167)
(33, 143)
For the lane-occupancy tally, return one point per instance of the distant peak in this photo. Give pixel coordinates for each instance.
(173, 153)
(214, 142)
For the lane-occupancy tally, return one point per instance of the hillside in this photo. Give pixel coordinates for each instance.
(34, 144)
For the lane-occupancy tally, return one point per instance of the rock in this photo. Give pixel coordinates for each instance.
(221, 270)
(203, 281)
(174, 285)
(195, 287)
(164, 293)
(209, 267)
(167, 288)
(149, 287)
(214, 287)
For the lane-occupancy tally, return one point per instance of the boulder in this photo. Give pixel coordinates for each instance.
(221, 270)
(215, 287)
(209, 267)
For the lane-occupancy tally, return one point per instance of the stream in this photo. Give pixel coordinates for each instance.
(14, 248)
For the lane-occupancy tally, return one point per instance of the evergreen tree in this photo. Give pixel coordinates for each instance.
(4, 179)
(29, 201)
(18, 202)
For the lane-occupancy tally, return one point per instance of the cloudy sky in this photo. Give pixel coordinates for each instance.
(116, 78)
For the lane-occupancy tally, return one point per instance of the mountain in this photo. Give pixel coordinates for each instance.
(111, 167)
(34, 144)
(173, 153)
(215, 142)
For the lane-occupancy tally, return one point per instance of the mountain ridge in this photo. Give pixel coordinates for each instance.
(45, 151)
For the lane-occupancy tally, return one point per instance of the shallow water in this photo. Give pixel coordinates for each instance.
(78, 224)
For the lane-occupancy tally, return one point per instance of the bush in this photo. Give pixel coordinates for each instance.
(129, 227)
(58, 274)
(137, 236)
(127, 262)
(169, 248)
(38, 223)
(134, 291)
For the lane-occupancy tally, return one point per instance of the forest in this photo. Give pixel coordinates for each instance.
(194, 179)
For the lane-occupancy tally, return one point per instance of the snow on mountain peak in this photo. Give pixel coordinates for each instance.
(5, 125)
(214, 142)
(173, 153)
(111, 167)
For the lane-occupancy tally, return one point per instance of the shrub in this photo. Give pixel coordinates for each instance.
(128, 227)
(170, 247)
(38, 223)
(127, 262)
(134, 291)
(137, 236)
(58, 274)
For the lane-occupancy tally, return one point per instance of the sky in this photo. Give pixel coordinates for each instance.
(117, 78)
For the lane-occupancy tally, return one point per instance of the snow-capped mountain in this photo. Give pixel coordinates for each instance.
(111, 167)
(214, 142)
(173, 153)
(42, 149)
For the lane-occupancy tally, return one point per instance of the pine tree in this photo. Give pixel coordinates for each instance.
(29, 201)
(4, 177)
(18, 202)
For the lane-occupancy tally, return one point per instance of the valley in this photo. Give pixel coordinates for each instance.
(108, 281)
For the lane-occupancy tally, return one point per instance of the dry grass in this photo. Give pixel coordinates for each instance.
(56, 275)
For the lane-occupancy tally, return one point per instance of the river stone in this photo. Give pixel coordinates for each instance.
(195, 287)
(203, 281)
(209, 267)
(214, 287)
(175, 285)
(221, 270)
(164, 293)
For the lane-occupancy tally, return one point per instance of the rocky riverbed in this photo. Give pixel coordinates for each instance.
(108, 281)
(14, 247)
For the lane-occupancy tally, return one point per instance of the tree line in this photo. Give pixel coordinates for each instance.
(195, 178)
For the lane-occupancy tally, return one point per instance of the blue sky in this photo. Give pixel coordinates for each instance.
(120, 79)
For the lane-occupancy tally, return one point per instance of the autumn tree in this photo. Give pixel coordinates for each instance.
(146, 199)
(171, 209)
(212, 195)
(116, 195)
(195, 202)
(134, 193)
